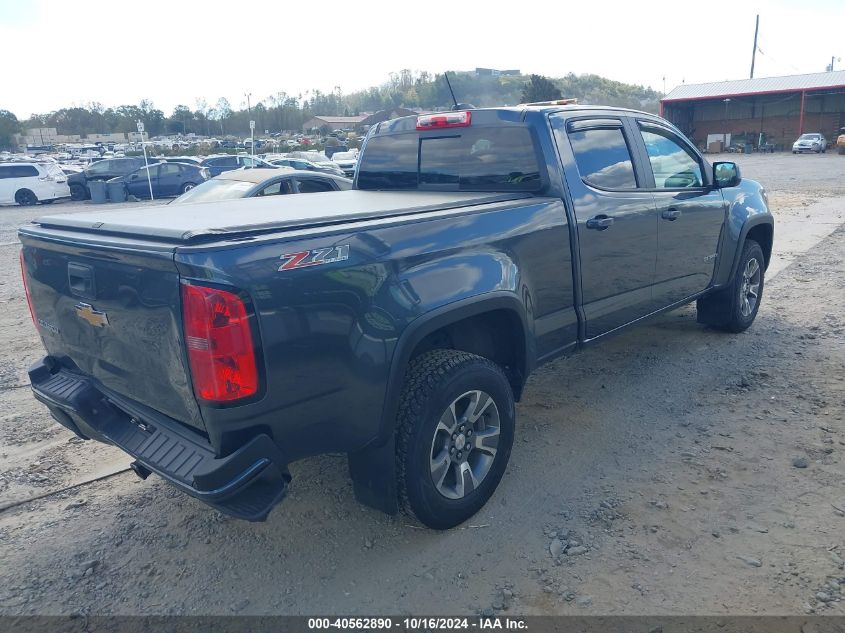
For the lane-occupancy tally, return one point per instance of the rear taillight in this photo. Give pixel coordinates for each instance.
(219, 342)
(26, 291)
(443, 120)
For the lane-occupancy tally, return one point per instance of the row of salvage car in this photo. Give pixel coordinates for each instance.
(28, 182)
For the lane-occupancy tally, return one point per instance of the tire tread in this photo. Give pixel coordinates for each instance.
(425, 374)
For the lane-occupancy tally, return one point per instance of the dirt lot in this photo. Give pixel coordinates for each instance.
(673, 470)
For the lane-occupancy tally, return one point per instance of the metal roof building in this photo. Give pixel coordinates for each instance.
(775, 110)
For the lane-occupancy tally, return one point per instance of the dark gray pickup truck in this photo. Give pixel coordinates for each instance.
(397, 322)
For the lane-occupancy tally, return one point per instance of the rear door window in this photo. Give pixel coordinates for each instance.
(226, 161)
(603, 157)
(169, 169)
(276, 189)
(312, 185)
(23, 171)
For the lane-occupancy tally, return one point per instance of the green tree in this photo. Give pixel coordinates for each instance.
(181, 121)
(223, 111)
(9, 126)
(540, 88)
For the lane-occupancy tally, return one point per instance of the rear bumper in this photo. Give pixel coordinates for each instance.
(246, 484)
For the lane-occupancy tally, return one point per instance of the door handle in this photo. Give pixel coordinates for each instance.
(671, 214)
(600, 223)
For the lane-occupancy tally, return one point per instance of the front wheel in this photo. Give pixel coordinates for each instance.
(735, 308)
(25, 198)
(454, 435)
(187, 186)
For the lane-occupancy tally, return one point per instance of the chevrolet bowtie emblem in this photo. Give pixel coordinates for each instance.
(87, 312)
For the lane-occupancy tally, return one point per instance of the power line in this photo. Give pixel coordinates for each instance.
(769, 57)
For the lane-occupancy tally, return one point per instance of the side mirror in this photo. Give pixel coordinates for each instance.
(726, 174)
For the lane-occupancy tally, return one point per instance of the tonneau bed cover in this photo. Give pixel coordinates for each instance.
(211, 220)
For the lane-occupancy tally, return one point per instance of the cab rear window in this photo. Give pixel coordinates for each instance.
(471, 159)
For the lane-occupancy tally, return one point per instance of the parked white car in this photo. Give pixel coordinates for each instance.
(29, 183)
(346, 161)
(813, 142)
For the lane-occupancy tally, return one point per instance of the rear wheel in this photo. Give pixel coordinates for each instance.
(454, 436)
(187, 186)
(78, 192)
(25, 198)
(735, 308)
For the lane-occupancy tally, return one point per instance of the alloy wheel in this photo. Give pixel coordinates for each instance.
(464, 444)
(749, 293)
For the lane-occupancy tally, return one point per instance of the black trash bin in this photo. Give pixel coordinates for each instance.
(98, 191)
(117, 192)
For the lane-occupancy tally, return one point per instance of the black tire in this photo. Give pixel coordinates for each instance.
(78, 192)
(434, 382)
(26, 198)
(727, 309)
(188, 186)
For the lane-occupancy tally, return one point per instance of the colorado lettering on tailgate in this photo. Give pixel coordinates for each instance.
(315, 257)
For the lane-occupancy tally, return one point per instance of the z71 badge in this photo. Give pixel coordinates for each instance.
(315, 257)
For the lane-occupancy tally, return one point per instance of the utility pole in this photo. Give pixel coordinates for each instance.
(754, 52)
(251, 124)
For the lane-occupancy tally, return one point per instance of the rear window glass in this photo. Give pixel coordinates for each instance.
(472, 159)
(216, 189)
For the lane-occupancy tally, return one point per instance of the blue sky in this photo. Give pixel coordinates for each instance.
(117, 52)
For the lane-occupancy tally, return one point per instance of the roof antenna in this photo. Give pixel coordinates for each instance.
(457, 106)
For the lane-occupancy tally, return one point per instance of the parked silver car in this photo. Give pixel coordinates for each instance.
(812, 142)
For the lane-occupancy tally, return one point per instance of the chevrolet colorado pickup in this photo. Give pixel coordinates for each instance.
(396, 322)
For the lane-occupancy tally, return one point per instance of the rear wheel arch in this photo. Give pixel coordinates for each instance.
(372, 468)
(445, 327)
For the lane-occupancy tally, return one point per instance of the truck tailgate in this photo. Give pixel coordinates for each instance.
(112, 311)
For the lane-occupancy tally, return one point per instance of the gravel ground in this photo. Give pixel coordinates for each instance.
(672, 470)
